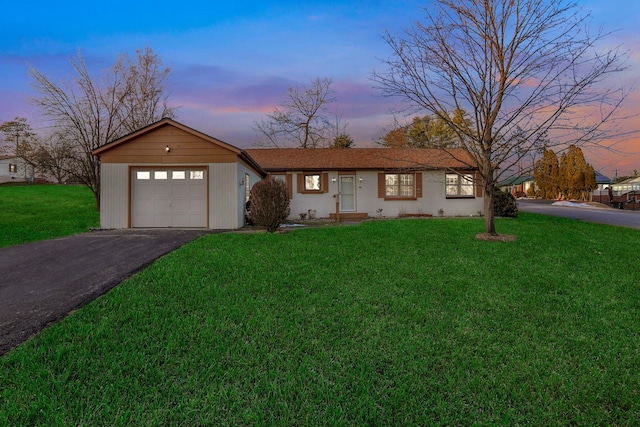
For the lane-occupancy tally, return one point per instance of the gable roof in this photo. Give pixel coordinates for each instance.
(170, 122)
(153, 126)
(517, 180)
(602, 179)
(287, 159)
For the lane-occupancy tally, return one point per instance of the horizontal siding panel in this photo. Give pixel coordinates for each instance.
(164, 159)
(184, 147)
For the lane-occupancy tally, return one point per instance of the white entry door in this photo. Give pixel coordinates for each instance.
(347, 193)
(168, 197)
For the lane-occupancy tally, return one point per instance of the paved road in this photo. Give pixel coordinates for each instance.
(599, 215)
(44, 281)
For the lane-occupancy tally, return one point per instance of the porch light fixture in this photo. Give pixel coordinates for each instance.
(167, 149)
(333, 179)
(360, 179)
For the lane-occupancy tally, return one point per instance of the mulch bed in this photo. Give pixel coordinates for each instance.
(496, 237)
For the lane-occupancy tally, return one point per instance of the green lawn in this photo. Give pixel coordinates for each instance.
(37, 212)
(406, 322)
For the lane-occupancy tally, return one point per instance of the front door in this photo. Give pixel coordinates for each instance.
(347, 193)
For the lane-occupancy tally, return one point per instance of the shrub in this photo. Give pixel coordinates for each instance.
(269, 203)
(504, 204)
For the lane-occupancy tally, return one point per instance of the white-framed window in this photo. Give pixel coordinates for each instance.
(459, 185)
(178, 175)
(312, 182)
(401, 185)
(160, 175)
(13, 168)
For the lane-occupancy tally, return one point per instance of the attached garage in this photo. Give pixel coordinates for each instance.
(169, 175)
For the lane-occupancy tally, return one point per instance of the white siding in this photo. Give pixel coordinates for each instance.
(114, 195)
(24, 171)
(223, 196)
(253, 178)
(433, 198)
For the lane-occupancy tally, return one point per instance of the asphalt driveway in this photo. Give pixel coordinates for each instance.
(42, 282)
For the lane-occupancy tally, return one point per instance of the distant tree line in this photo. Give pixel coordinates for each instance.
(429, 131)
(570, 177)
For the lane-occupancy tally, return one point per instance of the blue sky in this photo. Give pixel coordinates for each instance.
(233, 61)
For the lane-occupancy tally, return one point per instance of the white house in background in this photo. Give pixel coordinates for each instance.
(169, 175)
(355, 183)
(15, 169)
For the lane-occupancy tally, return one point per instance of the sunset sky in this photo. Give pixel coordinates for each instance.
(233, 61)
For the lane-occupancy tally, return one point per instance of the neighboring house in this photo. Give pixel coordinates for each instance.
(169, 175)
(355, 183)
(15, 169)
(603, 184)
(518, 185)
(622, 195)
(626, 186)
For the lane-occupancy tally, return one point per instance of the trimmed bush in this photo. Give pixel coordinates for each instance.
(269, 203)
(504, 204)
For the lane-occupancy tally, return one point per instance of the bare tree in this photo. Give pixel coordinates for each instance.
(88, 112)
(301, 120)
(144, 99)
(54, 156)
(521, 68)
(18, 137)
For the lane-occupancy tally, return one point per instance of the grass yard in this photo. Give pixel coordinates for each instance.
(406, 322)
(38, 212)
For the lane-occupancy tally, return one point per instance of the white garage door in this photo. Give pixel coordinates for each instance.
(169, 197)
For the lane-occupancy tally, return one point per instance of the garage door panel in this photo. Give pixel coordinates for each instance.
(168, 198)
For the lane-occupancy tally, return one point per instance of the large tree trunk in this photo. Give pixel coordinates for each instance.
(489, 217)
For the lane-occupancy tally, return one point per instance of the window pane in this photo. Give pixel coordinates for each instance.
(466, 185)
(178, 175)
(196, 174)
(143, 175)
(312, 182)
(459, 185)
(160, 175)
(406, 185)
(391, 184)
(279, 178)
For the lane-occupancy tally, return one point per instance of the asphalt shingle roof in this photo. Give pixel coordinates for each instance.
(281, 159)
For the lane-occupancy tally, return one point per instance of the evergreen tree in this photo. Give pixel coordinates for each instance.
(343, 141)
(573, 174)
(430, 131)
(545, 173)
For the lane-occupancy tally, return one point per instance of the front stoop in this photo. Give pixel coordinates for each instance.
(349, 216)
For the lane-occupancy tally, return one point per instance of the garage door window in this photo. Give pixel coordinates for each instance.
(160, 175)
(178, 175)
(197, 175)
(143, 175)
